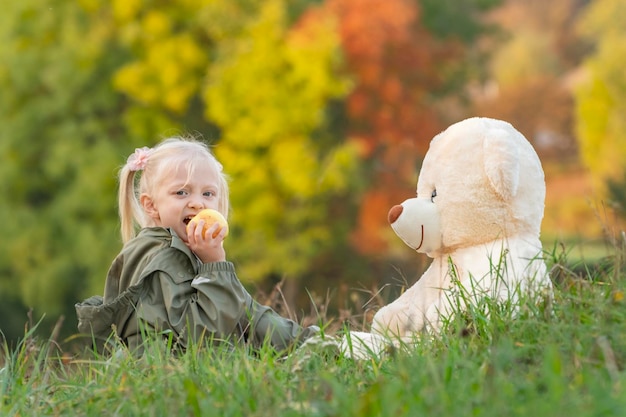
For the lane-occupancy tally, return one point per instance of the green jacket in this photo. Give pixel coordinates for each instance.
(156, 284)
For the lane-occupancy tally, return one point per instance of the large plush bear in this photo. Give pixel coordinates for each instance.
(477, 214)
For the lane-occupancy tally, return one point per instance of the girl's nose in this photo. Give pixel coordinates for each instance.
(196, 203)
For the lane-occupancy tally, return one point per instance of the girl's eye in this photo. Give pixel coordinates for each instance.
(433, 195)
(180, 192)
(209, 193)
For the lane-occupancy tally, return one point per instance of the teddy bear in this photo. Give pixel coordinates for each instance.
(477, 214)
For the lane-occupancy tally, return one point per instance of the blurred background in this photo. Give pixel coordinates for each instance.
(320, 111)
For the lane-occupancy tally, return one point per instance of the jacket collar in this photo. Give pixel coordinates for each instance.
(175, 241)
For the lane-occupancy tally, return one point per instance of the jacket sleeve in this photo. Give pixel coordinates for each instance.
(252, 321)
(219, 300)
(265, 324)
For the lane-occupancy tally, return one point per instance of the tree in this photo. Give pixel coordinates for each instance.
(536, 54)
(58, 147)
(601, 103)
(267, 91)
(403, 62)
(601, 98)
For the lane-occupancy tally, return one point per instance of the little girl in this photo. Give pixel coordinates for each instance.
(172, 281)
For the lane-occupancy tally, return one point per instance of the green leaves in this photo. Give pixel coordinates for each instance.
(59, 156)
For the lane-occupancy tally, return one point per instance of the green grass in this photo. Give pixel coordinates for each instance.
(563, 358)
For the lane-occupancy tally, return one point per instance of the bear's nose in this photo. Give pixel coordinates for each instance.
(394, 213)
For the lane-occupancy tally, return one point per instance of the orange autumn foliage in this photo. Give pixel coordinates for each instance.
(395, 63)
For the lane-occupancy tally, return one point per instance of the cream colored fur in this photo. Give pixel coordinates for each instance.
(477, 213)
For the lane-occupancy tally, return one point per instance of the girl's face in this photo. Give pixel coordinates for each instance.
(181, 195)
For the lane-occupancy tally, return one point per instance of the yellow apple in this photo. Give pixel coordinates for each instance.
(210, 217)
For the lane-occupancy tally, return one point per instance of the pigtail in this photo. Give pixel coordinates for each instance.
(128, 205)
(130, 211)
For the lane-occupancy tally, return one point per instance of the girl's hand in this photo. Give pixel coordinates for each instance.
(207, 248)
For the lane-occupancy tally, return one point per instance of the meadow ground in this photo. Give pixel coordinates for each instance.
(561, 358)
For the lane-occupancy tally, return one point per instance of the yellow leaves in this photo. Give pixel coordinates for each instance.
(129, 77)
(126, 10)
(89, 5)
(169, 64)
(295, 165)
(267, 90)
(312, 50)
(247, 90)
(339, 166)
(601, 97)
(270, 83)
(169, 74)
(603, 17)
(156, 24)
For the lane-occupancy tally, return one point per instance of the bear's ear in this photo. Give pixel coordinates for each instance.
(502, 165)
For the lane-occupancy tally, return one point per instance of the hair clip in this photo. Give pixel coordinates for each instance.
(138, 160)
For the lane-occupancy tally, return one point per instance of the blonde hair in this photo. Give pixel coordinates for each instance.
(158, 162)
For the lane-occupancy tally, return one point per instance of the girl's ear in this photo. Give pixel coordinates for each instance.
(148, 206)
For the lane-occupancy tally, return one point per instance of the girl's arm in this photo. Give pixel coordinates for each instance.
(282, 333)
(258, 323)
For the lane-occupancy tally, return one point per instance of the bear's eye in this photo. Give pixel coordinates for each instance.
(433, 195)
